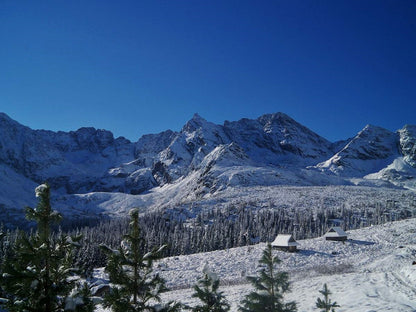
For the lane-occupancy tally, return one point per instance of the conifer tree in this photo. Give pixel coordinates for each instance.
(37, 270)
(137, 288)
(207, 291)
(270, 286)
(326, 305)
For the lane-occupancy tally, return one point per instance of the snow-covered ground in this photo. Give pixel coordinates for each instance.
(372, 271)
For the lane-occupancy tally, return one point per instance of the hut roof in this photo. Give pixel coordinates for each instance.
(336, 231)
(284, 240)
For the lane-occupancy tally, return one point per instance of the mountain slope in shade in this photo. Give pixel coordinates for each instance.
(72, 161)
(277, 138)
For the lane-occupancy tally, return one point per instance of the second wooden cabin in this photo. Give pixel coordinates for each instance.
(335, 233)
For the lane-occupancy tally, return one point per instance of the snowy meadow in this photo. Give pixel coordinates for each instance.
(372, 271)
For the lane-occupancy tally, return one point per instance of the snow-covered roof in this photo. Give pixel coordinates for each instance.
(336, 231)
(284, 240)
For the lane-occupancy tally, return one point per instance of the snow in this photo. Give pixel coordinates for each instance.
(372, 271)
(40, 189)
(398, 172)
(206, 269)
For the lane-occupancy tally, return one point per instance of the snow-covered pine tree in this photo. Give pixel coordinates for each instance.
(325, 304)
(270, 286)
(136, 287)
(38, 272)
(207, 291)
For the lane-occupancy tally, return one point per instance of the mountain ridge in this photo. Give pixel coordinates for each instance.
(204, 158)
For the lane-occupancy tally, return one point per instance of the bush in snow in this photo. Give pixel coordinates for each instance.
(270, 286)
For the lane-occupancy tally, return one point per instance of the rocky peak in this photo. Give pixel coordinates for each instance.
(280, 137)
(92, 139)
(195, 123)
(276, 118)
(369, 151)
(154, 143)
(372, 142)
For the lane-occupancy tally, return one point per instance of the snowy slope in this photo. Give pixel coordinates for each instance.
(372, 271)
(398, 172)
(370, 150)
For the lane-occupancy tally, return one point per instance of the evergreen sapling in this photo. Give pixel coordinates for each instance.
(325, 304)
(136, 287)
(207, 291)
(38, 274)
(270, 286)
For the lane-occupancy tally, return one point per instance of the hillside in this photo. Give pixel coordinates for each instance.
(372, 271)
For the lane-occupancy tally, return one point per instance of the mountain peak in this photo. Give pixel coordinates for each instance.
(194, 123)
(4, 116)
(5, 119)
(279, 116)
(197, 117)
(371, 130)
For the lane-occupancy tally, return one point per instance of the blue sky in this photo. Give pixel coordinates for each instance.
(138, 67)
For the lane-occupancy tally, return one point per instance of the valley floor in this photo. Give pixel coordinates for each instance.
(372, 271)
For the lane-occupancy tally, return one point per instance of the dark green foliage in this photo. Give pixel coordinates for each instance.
(326, 305)
(137, 288)
(80, 300)
(207, 291)
(36, 271)
(270, 286)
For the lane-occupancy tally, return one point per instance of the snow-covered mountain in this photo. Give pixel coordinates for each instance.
(201, 160)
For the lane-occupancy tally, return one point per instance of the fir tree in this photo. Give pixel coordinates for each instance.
(207, 291)
(270, 286)
(137, 288)
(36, 273)
(326, 305)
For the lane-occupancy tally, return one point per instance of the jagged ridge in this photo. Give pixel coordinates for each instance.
(204, 158)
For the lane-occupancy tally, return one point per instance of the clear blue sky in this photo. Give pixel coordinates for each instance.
(138, 67)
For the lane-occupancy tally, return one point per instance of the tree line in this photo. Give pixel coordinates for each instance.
(232, 226)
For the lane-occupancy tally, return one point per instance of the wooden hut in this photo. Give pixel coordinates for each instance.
(285, 242)
(335, 233)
